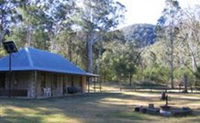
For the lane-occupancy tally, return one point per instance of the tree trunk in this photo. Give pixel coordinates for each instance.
(172, 60)
(194, 63)
(2, 35)
(130, 79)
(2, 30)
(193, 59)
(90, 54)
(29, 37)
(98, 62)
(185, 80)
(172, 75)
(70, 49)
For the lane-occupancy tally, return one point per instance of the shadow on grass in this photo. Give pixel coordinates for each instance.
(159, 91)
(81, 107)
(18, 117)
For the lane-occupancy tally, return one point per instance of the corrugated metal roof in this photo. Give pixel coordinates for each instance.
(35, 59)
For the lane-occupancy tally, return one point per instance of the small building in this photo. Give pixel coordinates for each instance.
(37, 73)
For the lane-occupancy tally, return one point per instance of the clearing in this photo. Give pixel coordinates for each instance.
(104, 107)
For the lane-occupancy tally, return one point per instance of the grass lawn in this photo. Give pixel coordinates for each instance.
(95, 108)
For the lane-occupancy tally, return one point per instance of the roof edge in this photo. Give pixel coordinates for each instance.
(92, 74)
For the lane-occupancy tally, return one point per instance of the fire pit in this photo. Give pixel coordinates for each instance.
(164, 110)
(174, 111)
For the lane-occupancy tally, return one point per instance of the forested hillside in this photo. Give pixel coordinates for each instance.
(142, 34)
(86, 33)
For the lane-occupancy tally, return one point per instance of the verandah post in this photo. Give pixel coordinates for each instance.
(10, 75)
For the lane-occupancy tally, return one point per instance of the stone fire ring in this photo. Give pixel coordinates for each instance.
(164, 111)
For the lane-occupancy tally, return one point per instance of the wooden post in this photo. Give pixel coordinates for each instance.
(166, 100)
(36, 85)
(94, 81)
(10, 75)
(130, 79)
(88, 84)
(185, 80)
(100, 84)
(119, 85)
(51, 85)
(63, 85)
(134, 86)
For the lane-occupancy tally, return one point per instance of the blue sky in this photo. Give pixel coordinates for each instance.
(148, 11)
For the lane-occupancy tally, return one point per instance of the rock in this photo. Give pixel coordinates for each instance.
(137, 109)
(153, 110)
(181, 111)
(143, 109)
(165, 113)
(151, 105)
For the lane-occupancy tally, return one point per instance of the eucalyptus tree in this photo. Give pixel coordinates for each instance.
(168, 29)
(33, 29)
(190, 42)
(37, 24)
(63, 14)
(97, 18)
(190, 34)
(9, 15)
(43, 22)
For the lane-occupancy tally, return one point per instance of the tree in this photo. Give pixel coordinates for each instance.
(190, 34)
(98, 17)
(168, 29)
(121, 59)
(9, 15)
(43, 22)
(33, 29)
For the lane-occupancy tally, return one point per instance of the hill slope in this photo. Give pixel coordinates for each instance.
(142, 34)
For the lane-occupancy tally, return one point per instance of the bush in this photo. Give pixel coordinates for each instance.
(157, 73)
(150, 84)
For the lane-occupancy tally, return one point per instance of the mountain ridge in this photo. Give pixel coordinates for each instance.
(141, 34)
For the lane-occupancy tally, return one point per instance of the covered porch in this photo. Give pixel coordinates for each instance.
(35, 73)
(38, 84)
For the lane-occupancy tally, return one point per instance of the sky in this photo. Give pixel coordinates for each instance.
(148, 11)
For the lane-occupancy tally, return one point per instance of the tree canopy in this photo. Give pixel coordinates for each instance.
(86, 32)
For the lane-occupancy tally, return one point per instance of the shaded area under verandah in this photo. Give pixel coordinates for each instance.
(94, 83)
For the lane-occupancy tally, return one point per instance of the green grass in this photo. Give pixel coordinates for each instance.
(95, 108)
